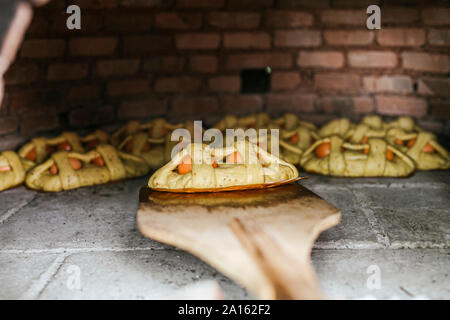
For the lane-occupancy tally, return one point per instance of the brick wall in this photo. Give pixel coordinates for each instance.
(137, 59)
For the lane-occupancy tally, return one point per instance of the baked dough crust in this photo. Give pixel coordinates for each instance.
(17, 169)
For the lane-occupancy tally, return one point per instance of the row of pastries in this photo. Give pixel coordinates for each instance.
(371, 147)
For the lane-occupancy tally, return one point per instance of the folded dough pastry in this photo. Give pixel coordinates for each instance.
(12, 169)
(39, 149)
(255, 121)
(94, 139)
(422, 147)
(332, 156)
(294, 142)
(141, 145)
(341, 127)
(70, 170)
(200, 167)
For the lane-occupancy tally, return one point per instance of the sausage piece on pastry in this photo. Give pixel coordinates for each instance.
(200, 167)
(332, 156)
(12, 169)
(70, 170)
(293, 143)
(141, 145)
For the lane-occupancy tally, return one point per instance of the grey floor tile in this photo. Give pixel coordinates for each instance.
(404, 274)
(142, 274)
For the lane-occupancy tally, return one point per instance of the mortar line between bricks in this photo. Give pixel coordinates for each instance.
(12, 211)
(374, 225)
(39, 286)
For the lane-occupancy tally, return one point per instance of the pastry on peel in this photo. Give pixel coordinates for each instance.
(141, 145)
(12, 169)
(70, 170)
(39, 149)
(422, 147)
(332, 156)
(199, 168)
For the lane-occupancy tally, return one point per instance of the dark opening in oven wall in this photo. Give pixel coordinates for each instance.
(139, 59)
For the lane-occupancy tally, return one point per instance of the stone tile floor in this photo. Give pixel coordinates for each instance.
(396, 231)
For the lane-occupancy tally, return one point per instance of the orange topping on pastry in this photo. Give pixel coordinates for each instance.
(295, 138)
(5, 169)
(366, 151)
(64, 146)
(214, 162)
(53, 170)
(146, 147)
(185, 165)
(99, 161)
(364, 140)
(323, 150)
(428, 148)
(399, 141)
(234, 157)
(75, 163)
(91, 144)
(411, 143)
(389, 155)
(31, 155)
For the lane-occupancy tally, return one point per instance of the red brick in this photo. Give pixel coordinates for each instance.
(128, 87)
(335, 105)
(116, 67)
(323, 59)
(179, 21)
(297, 38)
(242, 104)
(372, 59)
(440, 110)
(67, 71)
(399, 105)
(89, 116)
(142, 108)
(200, 3)
(234, 20)
(430, 125)
(246, 40)
(97, 46)
(278, 103)
(363, 105)
(399, 15)
(195, 106)
(84, 92)
(259, 60)
(354, 3)
(21, 74)
(337, 82)
(90, 23)
(250, 4)
(197, 41)
(285, 80)
(38, 122)
(95, 4)
(290, 4)
(439, 37)
(436, 16)
(177, 84)
(224, 84)
(203, 64)
(147, 44)
(43, 48)
(11, 141)
(434, 87)
(401, 37)
(8, 124)
(142, 3)
(288, 19)
(349, 38)
(394, 84)
(39, 25)
(420, 61)
(172, 64)
(116, 22)
(344, 17)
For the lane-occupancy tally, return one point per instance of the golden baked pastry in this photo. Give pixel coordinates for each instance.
(294, 142)
(332, 156)
(70, 170)
(199, 167)
(255, 121)
(94, 139)
(340, 127)
(39, 149)
(405, 123)
(141, 145)
(227, 122)
(422, 147)
(12, 169)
